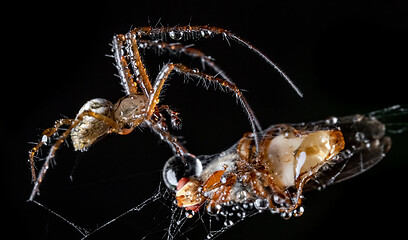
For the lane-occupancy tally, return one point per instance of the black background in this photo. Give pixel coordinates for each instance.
(346, 58)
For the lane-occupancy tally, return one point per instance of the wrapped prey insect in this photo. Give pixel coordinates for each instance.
(292, 159)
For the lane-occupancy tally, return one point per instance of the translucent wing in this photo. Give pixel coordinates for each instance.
(366, 145)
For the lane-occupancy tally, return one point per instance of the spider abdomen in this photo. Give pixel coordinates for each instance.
(90, 129)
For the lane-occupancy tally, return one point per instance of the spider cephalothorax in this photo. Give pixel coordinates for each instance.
(99, 116)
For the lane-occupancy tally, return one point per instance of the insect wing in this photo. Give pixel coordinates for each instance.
(366, 145)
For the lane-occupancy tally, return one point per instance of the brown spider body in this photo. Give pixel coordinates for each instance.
(126, 114)
(289, 156)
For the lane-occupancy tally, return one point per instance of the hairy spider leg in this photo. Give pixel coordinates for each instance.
(207, 31)
(136, 64)
(195, 53)
(167, 137)
(180, 68)
(44, 138)
(72, 123)
(125, 76)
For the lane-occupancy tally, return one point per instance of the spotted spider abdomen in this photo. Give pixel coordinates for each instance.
(90, 129)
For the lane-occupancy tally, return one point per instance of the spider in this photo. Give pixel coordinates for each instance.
(292, 158)
(140, 105)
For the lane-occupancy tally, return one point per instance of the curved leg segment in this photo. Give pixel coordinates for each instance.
(168, 68)
(207, 31)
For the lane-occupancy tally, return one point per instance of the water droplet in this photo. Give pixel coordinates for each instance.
(278, 199)
(286, 215)
(331, 120)
(205, 33)
(44, 140)
(241, 195)
(347, 154)
(175, 169)
(235, 208)
(241, 215)
(261, 204)
(176, 35)
(360, 137)
(228, 223)
(367, 144)
(210, 235)
(189, 214)
(299, 211)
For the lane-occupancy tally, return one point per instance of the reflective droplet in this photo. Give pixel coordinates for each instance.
(241, 195)
(235, 208)
(299, 211)
(44, 140)
(228, 223)
(261, 204)
(241, 215)
(175, 122)
(176, 35)
(175, 169)
(278, 199)
(189, 214)
(331, 120)
(286, 215)
(205, 33)
(223, 212)
(360, 137)
(347, 154)
(367, 144)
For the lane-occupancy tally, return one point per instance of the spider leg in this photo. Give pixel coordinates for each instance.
(121, 64)
(195, 53)
(136, 63)
(187, 50)
(168, 68)
(175, 119)
(73, 123)
(207, 31)
(44, 138)
(166, 136)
